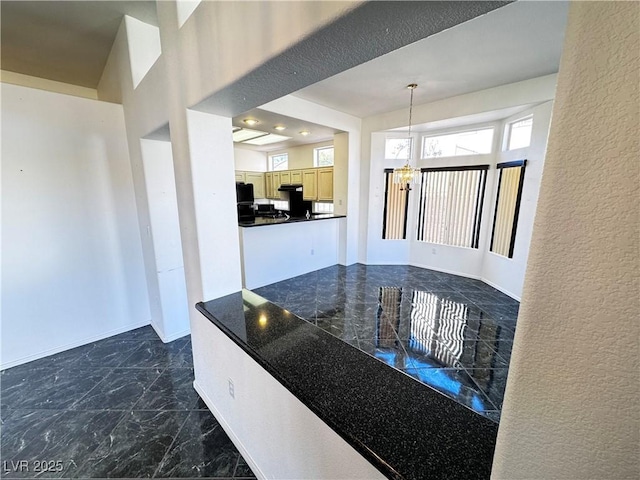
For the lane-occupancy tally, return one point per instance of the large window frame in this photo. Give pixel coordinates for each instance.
(507, 209)
(396, 209)
(442, 206)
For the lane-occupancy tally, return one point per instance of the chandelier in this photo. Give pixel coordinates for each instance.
(407, 175)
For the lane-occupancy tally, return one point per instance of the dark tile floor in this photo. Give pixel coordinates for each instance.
(452, 333)
(123, 407)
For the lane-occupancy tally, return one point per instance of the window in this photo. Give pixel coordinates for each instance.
(394, 220)
(474, 142)
(519, 133)
(397, 148)
(323, 157)
(279, 162)
(505, 217)
(451, 201)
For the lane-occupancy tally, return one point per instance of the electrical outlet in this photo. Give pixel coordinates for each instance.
(232, 391)
(433, 251)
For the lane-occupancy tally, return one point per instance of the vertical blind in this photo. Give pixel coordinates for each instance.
(394, 225)
(508, 197)
(451, 200)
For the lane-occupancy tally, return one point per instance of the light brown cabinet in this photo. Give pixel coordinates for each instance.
(268, 184)
(325, 184)
(296, 177)
(257, 179)
(285, 178)
(310, 184)
(317, 183)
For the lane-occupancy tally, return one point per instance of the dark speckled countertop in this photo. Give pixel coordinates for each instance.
(404, 428)
(262, 221)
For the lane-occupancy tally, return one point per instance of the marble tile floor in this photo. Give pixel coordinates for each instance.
(123, 407)
(451, 333)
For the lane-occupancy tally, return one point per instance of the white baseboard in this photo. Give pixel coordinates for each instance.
(502, 289)
(69, 346)
(229, 431)
(173, 336)
(443, 270)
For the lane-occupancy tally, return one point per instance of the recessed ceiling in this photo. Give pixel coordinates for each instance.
(516, 42)
(65, 41)
(267, 121)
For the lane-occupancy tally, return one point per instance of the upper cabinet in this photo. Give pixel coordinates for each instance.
(285, 177)
(325, 184)
(310, 184)
(296, 177)
(257, 179)
(317, 183)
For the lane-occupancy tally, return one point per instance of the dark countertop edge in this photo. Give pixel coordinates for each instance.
(360, 447)
(318, 216)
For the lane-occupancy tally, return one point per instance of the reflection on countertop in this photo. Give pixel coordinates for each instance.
(262, 221)
(404, 428)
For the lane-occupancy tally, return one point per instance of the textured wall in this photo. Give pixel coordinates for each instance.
(571, 405)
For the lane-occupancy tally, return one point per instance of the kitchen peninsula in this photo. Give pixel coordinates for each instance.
(305, 404)
(285, 247)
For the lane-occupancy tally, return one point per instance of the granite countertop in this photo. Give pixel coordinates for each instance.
(404, 428)
(262, 221)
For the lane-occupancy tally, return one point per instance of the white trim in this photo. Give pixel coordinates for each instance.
(503, 290)
(69, 346)
(230, 433)
(173, 336)
(444, 270)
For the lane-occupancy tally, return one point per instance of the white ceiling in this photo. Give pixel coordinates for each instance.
(268, 120)
(516, 42)
(64, 41)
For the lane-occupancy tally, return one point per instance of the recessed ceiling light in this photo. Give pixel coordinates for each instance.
(280, 127)
(267, 139)
(304, 133)
(251, 121)
(246, 134)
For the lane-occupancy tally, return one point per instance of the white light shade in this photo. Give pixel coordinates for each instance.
(267, 139)
(245, 134)
(251, 121)
(280, 127)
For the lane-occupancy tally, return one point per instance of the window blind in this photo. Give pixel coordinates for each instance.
(396, 202)
(451, 200)
(507, 210)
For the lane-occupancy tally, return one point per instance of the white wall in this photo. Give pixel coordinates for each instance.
(507, 274)
(72, 258)
(278, 435)
(276, 252)
(249, 160)
(171, 320)
(571, 403)
(302, 155)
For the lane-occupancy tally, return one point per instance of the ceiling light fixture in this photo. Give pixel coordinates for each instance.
(304, 133)
(251, 121)
(280, 127)
(407, 175)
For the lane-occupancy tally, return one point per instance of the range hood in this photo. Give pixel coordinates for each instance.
(290, 188)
